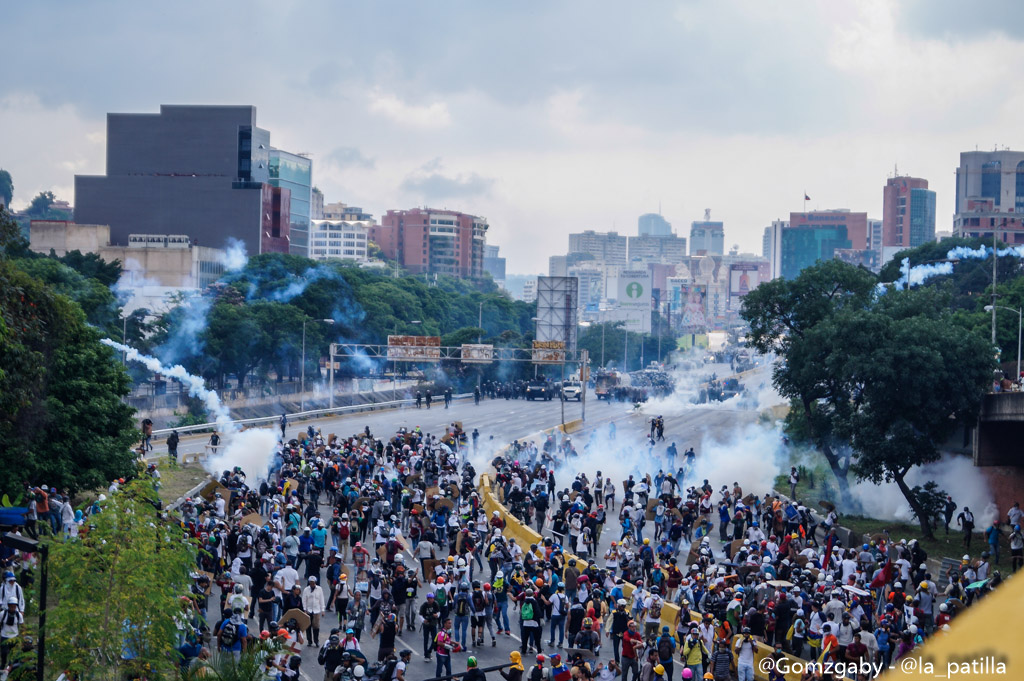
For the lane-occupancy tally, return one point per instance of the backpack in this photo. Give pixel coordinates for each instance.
(441, 596)
(664, 648)
(656, 611)
(388, 672)
(537, 673)
(527, 611)
(462, 607)
(478, 601)
(228, 635)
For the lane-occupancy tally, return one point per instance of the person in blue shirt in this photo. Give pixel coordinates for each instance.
(231, 634)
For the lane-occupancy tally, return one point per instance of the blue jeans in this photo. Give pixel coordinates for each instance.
(745, 673)
(503, 612)
(461, 623)
(443, 662)
(557, 621)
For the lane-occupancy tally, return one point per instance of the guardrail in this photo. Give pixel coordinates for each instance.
(297, 416)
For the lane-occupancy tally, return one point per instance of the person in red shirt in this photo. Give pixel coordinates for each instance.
(830, 643)
(632, 641)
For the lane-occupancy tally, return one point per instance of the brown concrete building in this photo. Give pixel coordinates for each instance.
(426, 240)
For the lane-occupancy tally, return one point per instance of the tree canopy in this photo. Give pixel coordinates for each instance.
(881, 380)
(61, 417)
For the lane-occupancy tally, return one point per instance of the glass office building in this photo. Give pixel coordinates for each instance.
(294, 173)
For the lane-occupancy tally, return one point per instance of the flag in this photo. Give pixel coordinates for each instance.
(806, 198)
(828, 551)
(883, 577)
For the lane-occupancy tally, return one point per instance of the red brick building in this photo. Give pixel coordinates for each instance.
(426, 240)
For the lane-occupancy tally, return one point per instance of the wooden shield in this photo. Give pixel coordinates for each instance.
(428, 569)
(252, 518)
(300, 617)
(444, 503)
(453, 490)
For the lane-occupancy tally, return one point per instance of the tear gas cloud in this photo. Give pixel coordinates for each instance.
(956, 475)
(918, 274)
(234, 257)
(252, 450)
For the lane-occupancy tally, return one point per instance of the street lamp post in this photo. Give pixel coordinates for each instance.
(602, 343)
(1020, 328)
(302, 368)
(394, 364)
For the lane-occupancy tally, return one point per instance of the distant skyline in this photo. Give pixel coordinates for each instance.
(545, 118)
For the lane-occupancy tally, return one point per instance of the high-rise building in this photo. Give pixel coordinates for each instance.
(653, 224)
(666, 249)
(316, 204)
(771, 247)
(199, 171)
(607, 247)
(294, 172)
(530, 291)
(494, 264)
(990, 195)
(908, 212)
(426, 240)
(816, 235)
(339, 239)
(707, 237)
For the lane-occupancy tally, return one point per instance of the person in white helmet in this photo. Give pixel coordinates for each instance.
(10, 624)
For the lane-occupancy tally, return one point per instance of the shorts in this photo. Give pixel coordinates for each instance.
(479, 620)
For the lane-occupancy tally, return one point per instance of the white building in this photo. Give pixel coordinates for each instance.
(530, 291)
(340, 239)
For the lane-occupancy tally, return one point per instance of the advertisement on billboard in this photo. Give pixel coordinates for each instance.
(476, 353)
(414, 348)
(548, 352)
(635, 290)
(694, 315)
(743, 278)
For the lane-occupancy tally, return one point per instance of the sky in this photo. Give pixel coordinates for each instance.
(544, 117)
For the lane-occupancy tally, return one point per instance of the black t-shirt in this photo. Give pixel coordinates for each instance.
(266, 592)
(387, 635)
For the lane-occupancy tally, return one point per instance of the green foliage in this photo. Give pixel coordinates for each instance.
(931, 502)
(91, 294)
(224, 667)
(890, 375)
(61, 416)
(119, 586)
(6, 187)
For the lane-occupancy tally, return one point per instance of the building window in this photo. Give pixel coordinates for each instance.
(991, 180)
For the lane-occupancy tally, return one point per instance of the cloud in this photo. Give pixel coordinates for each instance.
(430, 182)
(425, 116)
(349, 157)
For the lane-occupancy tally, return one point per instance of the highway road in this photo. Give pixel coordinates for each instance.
(505, 420)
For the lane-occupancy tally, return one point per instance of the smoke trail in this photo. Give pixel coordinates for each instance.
(251, 450)
(918, 274)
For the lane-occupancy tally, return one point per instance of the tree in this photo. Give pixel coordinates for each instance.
(61, 416)
(796, 320)
(119, 586)
(6, 187)
(913, 376)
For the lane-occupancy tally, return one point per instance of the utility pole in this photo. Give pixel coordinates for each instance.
(995, 260)
(480, 322)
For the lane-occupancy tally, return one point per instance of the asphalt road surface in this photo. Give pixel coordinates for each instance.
(505, 420)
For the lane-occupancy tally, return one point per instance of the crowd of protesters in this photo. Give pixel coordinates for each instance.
(367, 536)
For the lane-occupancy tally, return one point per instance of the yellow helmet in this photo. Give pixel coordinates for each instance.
(659, 670)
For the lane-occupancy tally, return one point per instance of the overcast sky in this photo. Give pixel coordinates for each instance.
(545, 117)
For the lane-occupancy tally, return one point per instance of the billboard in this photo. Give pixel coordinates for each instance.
(635, 290)
(548, 352)
(693, 318)
(477, 353)
(414, 348)
(743, 278)
(557, 305)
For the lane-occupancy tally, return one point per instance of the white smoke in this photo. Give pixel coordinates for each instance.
(234, 257)
(251, 450)
(956, 475)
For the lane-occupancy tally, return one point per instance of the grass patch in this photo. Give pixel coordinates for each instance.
(177, 480)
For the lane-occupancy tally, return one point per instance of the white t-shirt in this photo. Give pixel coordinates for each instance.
(652, 604)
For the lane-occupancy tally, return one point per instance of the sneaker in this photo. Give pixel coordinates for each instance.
(494, 642)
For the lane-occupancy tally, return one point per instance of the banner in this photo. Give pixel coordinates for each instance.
(548, 352)
(635, 290)
(743, 278)
(414, 348)
(476, 353)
